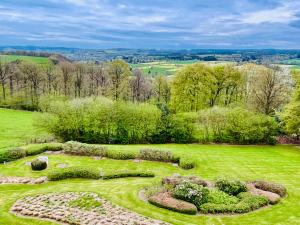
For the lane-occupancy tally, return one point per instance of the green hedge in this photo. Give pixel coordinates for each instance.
(12, 154)
(272, 187)
(127, 174)
(74, 172)
(40, 148)
(156, 155)
(82, 149)
(121, 155)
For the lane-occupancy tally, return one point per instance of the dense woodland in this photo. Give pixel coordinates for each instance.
(111, 103)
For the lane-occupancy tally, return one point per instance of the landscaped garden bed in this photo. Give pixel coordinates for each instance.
(77, 208)
(192, 195)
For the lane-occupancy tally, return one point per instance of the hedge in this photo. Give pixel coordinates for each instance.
(127, 174)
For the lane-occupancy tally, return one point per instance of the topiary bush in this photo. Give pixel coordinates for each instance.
(12, 154)
(192, 193)
(231, 187)
(271, 187)
(38, 165)
(74, 172)
(40, 148)
(186, 163)
(156, 155)
(122, 155)
(77, 148)
(127, 174)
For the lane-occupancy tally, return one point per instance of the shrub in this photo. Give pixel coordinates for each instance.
(190, 192)
(74, 172)
(156, 155)
(77, 148)
(12, 154)
(186, 163)
(123, 174)
(271, 187)
(122, 155)
(38, 165)
(246, 204)
(175, 180)
(220, 197)
(165, 200)
(40, 148)
(231, 187)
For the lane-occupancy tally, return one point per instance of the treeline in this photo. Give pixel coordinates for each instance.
(224, 103)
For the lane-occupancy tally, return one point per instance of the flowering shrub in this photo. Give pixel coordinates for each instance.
(190, 192)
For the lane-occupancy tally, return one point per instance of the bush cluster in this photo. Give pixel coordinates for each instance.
(38, 165)
(220, 197)
(186, 163)
(231, 187)
(77, 148)
(127, 174)
(247, 203)
(236, 125)
(121, 155)
(12, 154)
(192, 193)
(272, 187)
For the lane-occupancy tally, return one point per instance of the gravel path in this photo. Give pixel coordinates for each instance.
(22, 180)
(59, 207)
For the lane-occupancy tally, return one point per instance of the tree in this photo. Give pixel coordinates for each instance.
(4, 73)
(291, 115)
(267, 89)
(67, 70)
(141, 89)
(119, 73)
(162, 89)
(80, 71)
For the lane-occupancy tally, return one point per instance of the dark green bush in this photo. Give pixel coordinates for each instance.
(156, 155)
(186, 163)
(74, 172)
(77, 148)
(122, 155)
(40, 148)
(12, 154)
(231, 187)
(127, 174)
(192, 193)
(272, 187)
(38, 165)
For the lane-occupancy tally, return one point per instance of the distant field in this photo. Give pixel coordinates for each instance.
(164, 68)
(294, 63)
(9, 58)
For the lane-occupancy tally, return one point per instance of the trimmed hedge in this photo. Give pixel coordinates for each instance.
(127, 174)
(121, 155)
(231, 187)
(12, 154)
(38, 165)
(74, 172)
(271, 187)
(156, 155)
(164, 200)
(81, 149)
(40, 148)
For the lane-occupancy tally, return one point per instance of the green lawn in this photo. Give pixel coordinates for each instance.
(9, 58)
(273, 163)
(16, 127)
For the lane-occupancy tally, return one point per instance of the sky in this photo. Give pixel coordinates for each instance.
(161, 24)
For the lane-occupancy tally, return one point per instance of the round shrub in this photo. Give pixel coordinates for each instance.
(187, 163)
(190, 192)
(38, 165)
(231, 187)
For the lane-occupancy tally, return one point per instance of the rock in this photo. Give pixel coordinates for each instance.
(44, 159)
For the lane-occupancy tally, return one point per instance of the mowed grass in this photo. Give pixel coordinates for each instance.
(36, 59)
(16, 127)
(273, 163)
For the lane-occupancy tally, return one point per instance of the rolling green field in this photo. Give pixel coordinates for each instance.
(164, 68)
(294, 63)
(39, 60)
(273, 163)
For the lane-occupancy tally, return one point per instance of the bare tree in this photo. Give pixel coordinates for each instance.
(67, 70)
(4, 74)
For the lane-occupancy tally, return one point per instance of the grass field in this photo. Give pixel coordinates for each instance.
(39, 60)
(273, 163)
(164, 68)
(294, 63)
(16, 127)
